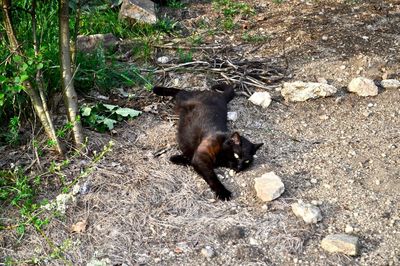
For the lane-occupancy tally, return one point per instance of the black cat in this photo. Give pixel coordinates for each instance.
(203, 135)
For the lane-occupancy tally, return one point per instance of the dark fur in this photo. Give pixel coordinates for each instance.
(203, 135)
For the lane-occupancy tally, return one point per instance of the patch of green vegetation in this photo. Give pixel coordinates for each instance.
(196, 39)
(103, 117)
(278, 1)
(254, 38)
(177, 4)
(185, 56)
(101, 72)
(230, 9)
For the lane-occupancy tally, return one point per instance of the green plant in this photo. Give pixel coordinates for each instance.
(103, 117)
(230, 9)
(175, 4)
(185, 57)
(254, 38)
(12, 135)
(278, 1)
(19, 191)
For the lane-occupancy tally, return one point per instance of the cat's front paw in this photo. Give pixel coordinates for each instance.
(224, 194)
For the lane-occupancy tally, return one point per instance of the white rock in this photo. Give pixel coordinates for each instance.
(390, 83)
(363, 87)
(232, 116)
(138, 10)
(208, 252)
(341, 243)
(348, 229)
(299, 91)
(261, 98)
(269, 186)
(163, 59)
(308, 212)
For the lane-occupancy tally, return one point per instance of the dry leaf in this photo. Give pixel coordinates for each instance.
(79, 227)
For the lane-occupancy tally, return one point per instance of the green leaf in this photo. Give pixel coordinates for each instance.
(17, 58)
(109, 123)
(39, 66)
(110, 106)
(2, 79)
(125, 112)
(24, 77)
(86, 111)
(24, 66)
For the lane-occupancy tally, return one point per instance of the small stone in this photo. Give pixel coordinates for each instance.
(299, 91)
(348, 229)
(309, 213)
(370, 105)
(363, 87)
(208, 252)
(314, 181)
(232, 116)
(269, 186)
(390, 83)
(261, 98)
(342, 243)
(253, 241)
(163, 59)
(342, 67)
(324, 38)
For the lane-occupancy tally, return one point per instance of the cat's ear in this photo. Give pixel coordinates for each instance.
(235, 138)
(257, 146)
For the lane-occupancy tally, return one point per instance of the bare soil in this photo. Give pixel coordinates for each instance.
(342, 152)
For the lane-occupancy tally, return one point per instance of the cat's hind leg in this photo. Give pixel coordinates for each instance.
(180, 159)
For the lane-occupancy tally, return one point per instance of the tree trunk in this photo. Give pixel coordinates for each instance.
(70, 96)
(38, 102)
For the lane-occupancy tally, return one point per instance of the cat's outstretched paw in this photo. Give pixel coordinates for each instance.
(224, 194)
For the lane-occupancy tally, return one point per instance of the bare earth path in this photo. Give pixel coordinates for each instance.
(342, 152)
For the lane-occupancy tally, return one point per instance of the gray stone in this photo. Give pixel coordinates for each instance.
(232, 116)
(308, 212)
(363, 87)
(89, 43)
(208, 252)
(299, 91)
(269, 186)
(138, 10)
(390, 83)
(163, 59)
(262, 99)
(341, 243)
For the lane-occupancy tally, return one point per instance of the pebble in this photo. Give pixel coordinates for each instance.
(309, 213)
(390, 83)
(314, 181)
(363, 87)
(231, 172)
(348, 229)
(299, 91)
(208, 252)
(341, 243)
(269, 186)
(232, 116)
(324, 38)
(262, 99)
(163, 59)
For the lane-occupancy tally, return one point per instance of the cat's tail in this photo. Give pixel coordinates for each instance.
(165, 91)
(226, 89)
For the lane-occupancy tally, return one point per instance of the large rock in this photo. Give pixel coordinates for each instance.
(342, 243)
(138, 10)
(299, 91)
(261, 98)
(89, 43)
(363, 87)
(390, 83)
(308, 212)
(269, 186)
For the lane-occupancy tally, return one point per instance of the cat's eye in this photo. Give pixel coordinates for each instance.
(236, 155)
(247, 161)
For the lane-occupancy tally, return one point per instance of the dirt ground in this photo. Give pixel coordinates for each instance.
(343, 152)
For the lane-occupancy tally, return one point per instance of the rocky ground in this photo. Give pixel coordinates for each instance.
(340, 153)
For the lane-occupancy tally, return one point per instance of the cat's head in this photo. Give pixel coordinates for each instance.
(241, 151)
